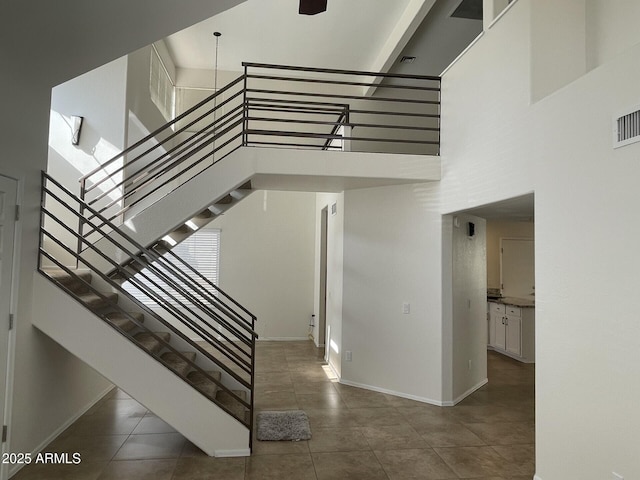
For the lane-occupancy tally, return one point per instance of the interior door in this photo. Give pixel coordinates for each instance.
(8, 200)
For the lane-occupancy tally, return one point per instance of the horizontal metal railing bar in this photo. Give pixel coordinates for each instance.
(139, 325)
(351, 124)
(126, 237)
(182, 172)
(327, 136)
(294, 109)
(349, 97)
(338, 71)
(251, 101)
(216, 287)
(338, 82)
(181, 318)
(193, 299)
(158, 170)
(157, 257)
(226, 309)
(351, 110)
(191, 140)
(164, 127)
(158, 298)
(309, 146)
(401, 114)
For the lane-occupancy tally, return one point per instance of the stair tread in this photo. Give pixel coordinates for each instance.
(238, 409)
(149, 342)
(178, 364)
(123, 321)
(75, 283)
(95, 301)
(203, 383)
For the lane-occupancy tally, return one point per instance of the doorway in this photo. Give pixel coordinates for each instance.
(322, 310)
(509, 223)
(8, 220)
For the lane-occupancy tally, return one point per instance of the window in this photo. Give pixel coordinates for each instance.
(201, 250)
(160, 86)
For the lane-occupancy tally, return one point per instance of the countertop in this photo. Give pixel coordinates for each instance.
(516, 302)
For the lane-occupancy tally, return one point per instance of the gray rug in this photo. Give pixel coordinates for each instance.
(290, 425)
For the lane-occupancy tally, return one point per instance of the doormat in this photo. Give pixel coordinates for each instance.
(292, 425)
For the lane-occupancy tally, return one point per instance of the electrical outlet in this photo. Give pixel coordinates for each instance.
(616, 476)
(347, 355)
(406, 308)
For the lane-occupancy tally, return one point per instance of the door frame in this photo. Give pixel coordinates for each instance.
(11, 340)
(322, 299)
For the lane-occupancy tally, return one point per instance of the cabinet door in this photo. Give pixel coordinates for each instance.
(500, 338)
(514, 335)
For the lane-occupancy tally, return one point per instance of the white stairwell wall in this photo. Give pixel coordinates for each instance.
(92, 340)
(271, 169)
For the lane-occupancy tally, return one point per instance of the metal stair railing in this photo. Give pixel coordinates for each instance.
(203, 316)
(269, 106)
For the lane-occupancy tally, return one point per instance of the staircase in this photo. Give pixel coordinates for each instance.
(190, 357)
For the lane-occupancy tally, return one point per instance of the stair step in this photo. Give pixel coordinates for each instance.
(225, 200)
(151, 343)
(124, 322)
(74, 282)
(96, 302)
(178, 364)
(204, 384)
(238, 409)
(206, 213)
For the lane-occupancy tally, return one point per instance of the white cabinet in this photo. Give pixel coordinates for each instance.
(511, 331)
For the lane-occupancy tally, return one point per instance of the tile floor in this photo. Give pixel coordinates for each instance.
(357, 434)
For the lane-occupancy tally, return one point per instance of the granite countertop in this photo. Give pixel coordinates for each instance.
(516, 302)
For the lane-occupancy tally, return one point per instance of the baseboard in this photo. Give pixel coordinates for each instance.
(537, 477)
(244, 452)
(393, 392)
(510, 355)
(282, 339)
(459, 398)
(62, 428)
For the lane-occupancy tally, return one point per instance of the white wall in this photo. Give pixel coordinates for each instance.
(612, 27)
(99, 96)
(392, 246)
(335, 268)
(496, 146)
(469, 307)
(50, 385)
(497, 229)
(267, 260)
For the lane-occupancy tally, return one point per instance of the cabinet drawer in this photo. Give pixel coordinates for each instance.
(498, 308)
(515, 311)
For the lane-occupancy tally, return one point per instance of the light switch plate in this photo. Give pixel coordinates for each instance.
(406, 308)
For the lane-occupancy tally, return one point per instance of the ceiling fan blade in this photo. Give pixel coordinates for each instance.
(312, 7)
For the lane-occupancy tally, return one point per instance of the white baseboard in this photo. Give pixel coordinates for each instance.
(537, 477)
(393, 392)
(282, 339)
(244, 452)
(17, 467)
(461, 397)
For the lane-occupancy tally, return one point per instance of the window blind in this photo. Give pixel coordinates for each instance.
(160, 86)
(201, 250)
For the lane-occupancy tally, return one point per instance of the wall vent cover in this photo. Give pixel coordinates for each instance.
(626, 128)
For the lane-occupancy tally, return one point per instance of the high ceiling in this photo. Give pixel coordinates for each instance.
(352, 34)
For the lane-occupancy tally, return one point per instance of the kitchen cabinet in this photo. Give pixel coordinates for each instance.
(512, 331)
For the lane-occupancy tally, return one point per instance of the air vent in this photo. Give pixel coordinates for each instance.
(626, 128)
(407, 59)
